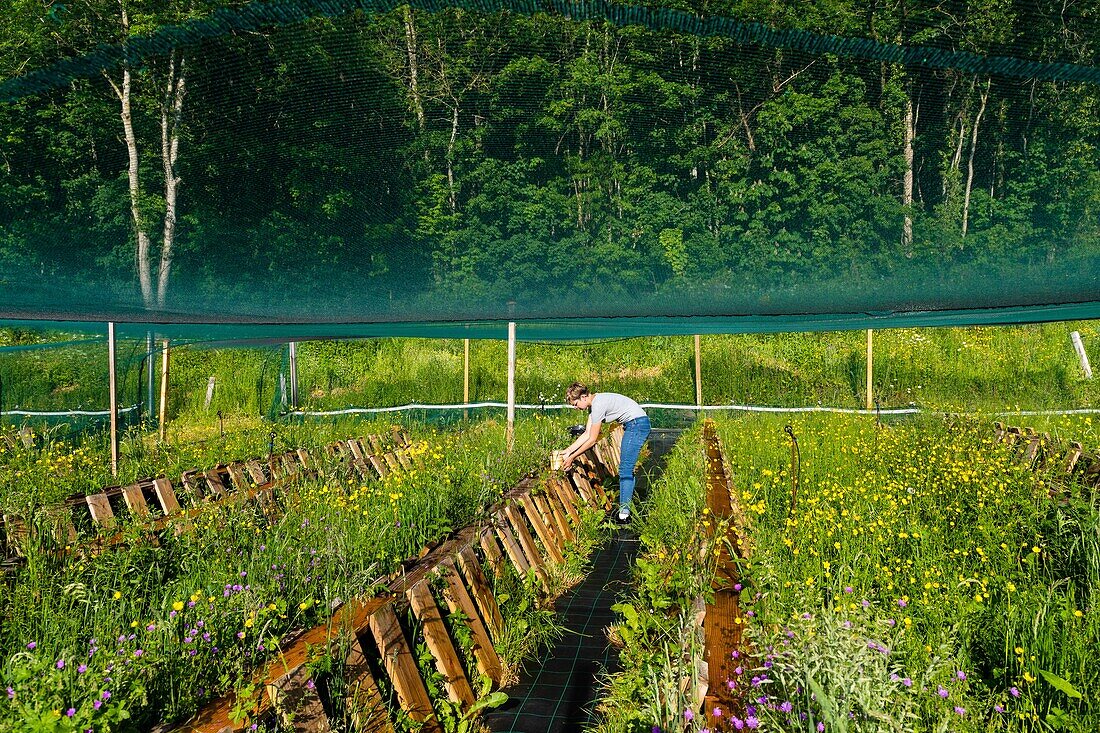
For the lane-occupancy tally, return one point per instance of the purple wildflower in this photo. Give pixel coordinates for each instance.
(31, 646)
(61, 664)
(70, 712)
(942, 692)
(1015, 691)
(960, 710)
(689, 716)
(960, 675)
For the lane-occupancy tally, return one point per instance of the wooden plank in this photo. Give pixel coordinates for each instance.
(276, 466)
(998, 431)
(297, 702)
(562, 530)
(545, 535)
(512, 549)
(256, 471)
(1072, 456)
(375, 445)
(458, 599)
(192, 484)
(523, 536)
(215, 484)
(400, 665)
(403, 459)
(215, 717)
(357, 450)
(306, 460)
(100, 507)
(1034, 440)
(481, 592)
(364, 700)
(391, 461)
(359, 459)
(439, 643)
(135, 500)
(239, 476)
(493, 554)
(580, 483)
(379, 465)
(568, 498)
(601, 495)
(169, 504)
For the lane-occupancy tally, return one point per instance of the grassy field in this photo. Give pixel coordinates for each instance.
(984, 369)
(921, 578)
(148, 631)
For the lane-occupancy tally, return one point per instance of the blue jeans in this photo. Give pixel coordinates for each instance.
(634, 434)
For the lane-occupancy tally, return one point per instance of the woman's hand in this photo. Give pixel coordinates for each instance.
(566, 462)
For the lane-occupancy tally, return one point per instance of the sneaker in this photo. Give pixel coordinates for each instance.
(624, 515)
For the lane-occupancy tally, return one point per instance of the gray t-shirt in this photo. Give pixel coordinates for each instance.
(608, 406)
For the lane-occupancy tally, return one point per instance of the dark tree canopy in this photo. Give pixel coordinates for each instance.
(764, 165)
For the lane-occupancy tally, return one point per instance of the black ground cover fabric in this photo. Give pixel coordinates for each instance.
(557, 692)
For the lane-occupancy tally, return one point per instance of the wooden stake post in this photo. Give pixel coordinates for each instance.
(698, 372)
(164, 395)
(510, 433)
(113, 392)
(870, 364)
(466, 377)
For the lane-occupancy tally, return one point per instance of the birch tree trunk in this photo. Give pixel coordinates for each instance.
(970, 161)
(170, 113)
(124, 93)
(414, 73)
(452, 195)
(907, 180)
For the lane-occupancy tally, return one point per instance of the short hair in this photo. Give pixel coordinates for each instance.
(575, 392)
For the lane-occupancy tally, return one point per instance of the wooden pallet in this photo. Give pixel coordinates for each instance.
(448, 584)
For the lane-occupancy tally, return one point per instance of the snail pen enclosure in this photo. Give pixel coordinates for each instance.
(384, 198)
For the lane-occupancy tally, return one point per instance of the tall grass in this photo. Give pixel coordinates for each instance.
(983, 369)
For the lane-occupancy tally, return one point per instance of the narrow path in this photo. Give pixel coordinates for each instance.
(556, 693)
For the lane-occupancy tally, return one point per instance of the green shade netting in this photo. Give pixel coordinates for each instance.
(336, 168)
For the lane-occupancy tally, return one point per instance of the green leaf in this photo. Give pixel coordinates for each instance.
(1060, 684)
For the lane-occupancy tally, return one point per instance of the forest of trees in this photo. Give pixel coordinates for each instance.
(415, 164)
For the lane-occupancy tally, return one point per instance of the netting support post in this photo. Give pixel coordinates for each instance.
(150, 376)
(163, 420)
(293, 347)
(510, 431)
(698, 372)
(113, 396)
(870, 367)
(466, 377)
(1082, 357)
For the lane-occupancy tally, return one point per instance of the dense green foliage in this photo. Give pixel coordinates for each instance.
(147, 631)
(956, 370)
(418, 164)
(920, 578)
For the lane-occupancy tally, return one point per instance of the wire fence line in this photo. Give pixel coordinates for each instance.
(913, 410)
